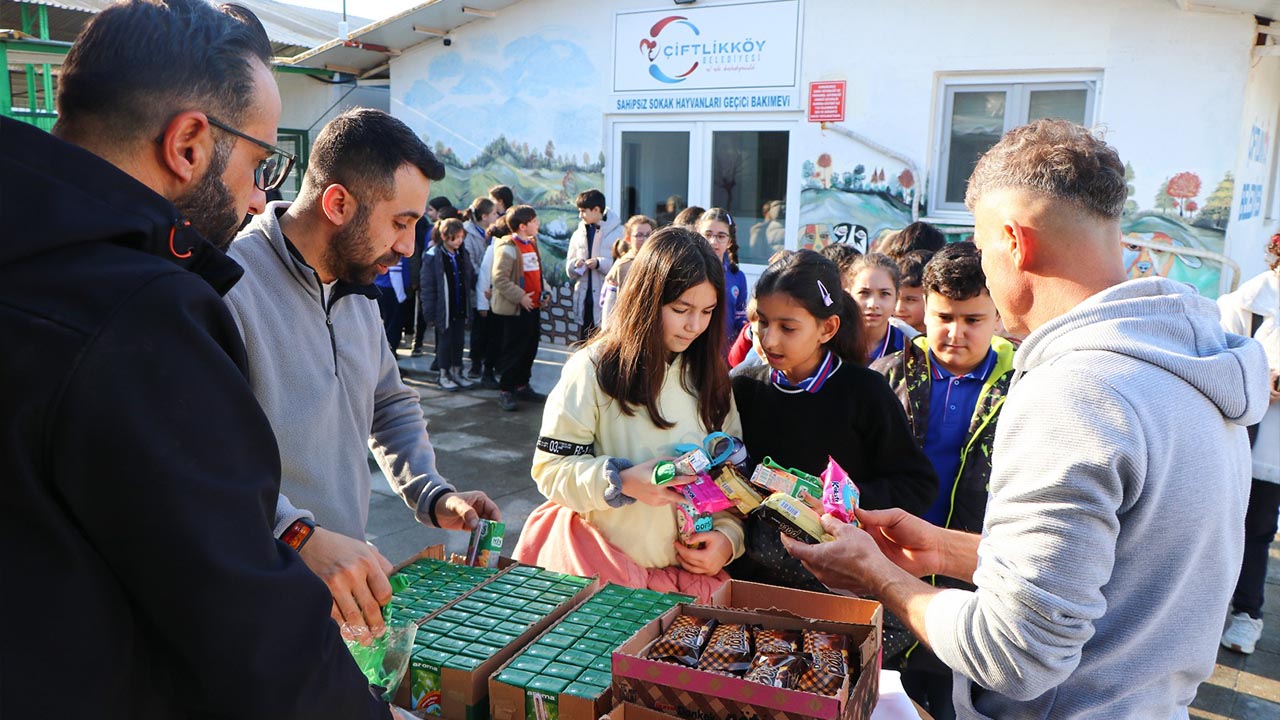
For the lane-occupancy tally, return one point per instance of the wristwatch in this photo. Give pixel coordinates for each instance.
(298, 533)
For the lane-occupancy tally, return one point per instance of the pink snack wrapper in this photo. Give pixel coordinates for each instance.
(839, 494)
(705, 495)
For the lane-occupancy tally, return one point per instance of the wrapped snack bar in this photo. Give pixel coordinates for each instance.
(736, 488)
(793, 518)
(705, 495)
(780, 671)
(777, 642)
(729, 649)
(839, 494)
(682, 643)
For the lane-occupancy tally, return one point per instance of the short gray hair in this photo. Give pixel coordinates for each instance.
(1057, 158)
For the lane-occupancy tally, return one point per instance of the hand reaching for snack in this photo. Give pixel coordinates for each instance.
(637, 482)
(711, 551)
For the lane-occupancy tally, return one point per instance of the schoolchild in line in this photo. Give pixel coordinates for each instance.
(817, 399)
(503, 197)
(952, 383)
(448, 284)
(918, 235)
(745, 349)
(492, 347)
(910, 308)
(476, 220)
(634, 234)
(689, 217)
(517, 299)
(654, 379)
(717, 226)
(873, 282)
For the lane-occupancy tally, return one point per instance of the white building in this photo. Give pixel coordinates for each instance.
(710, 102)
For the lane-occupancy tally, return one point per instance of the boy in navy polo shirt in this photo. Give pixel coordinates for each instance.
(952, 382)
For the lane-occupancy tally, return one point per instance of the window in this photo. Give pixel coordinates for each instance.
(298, 143)
(976, 113)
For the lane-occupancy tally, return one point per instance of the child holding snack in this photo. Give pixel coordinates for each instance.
(815, 399)
(654, 379)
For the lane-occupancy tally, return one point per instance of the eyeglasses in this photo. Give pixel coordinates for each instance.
(271, 172)
(719, 237)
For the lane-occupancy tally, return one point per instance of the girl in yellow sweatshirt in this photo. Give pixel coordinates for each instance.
(653, 380)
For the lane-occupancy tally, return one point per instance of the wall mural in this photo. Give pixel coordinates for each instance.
(547, 142)
(863, 203)
(859, 204)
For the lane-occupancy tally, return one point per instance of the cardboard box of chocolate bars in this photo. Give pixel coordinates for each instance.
(692, 693)
(631, 711)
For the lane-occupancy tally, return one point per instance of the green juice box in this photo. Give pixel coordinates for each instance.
(541, 706)
(424, 683)
(486, 543)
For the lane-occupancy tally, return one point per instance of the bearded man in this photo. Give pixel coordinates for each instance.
(139, 473)
(319, 362)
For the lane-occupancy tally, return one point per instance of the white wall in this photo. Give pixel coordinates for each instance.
(1172, 97)
(1173, 81)
(308, 103)
(1256, 166)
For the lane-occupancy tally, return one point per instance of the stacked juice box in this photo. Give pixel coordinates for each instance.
(574, 656)
(474, 629)
(432, 584)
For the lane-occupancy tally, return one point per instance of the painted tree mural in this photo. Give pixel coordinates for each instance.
(1130, 205)
(1217, 207)
(1163, 202)
(1182, 188)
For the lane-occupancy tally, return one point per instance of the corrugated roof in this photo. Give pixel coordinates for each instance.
(368, 50)
(292, 29)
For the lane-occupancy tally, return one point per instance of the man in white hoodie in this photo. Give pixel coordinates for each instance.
(1253, 310)
(1120, 474)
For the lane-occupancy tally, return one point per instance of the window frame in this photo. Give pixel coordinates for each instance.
(1017, 88)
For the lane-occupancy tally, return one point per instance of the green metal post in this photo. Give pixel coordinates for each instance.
(47, 69)
(6, 93)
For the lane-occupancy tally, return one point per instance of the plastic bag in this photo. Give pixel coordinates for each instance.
(384, 658)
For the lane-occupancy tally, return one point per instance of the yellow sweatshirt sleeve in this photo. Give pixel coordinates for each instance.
(566, 468)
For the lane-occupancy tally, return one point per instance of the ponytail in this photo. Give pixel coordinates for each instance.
(813, 282)
(849, 343)
(480, 207)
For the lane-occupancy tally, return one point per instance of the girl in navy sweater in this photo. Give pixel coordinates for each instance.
(816, 398)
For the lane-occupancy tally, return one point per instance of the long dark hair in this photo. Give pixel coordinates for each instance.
(633, 357)
(803, 276)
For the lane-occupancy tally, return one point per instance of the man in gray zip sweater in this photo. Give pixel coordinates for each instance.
(1114, 527)
(319, 363)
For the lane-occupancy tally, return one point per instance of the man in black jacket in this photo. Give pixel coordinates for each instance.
(139, 475)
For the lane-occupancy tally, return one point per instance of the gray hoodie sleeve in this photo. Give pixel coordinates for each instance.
(400, 443)
(1050, 536)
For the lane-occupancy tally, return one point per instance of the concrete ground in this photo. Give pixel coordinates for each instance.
(480, 447)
